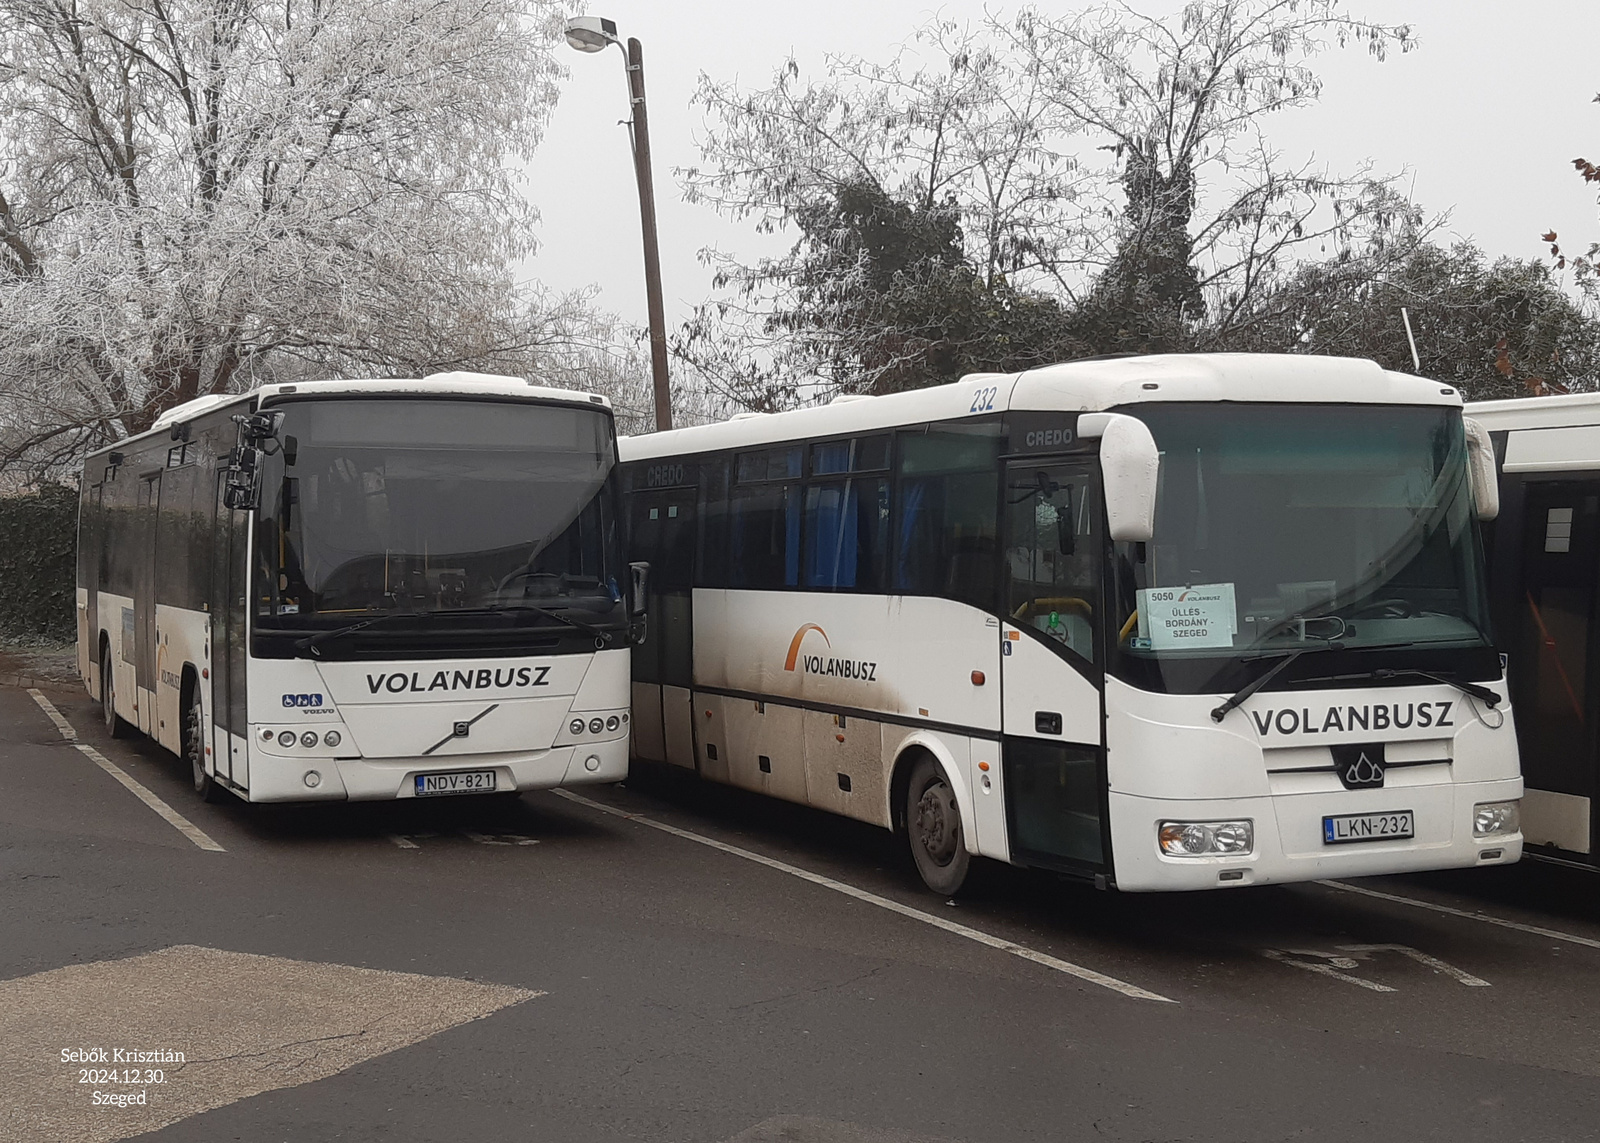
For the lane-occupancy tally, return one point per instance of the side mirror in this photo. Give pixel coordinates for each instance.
(291, 449)
(638, 601)
(1480, 462)
(1130, 466)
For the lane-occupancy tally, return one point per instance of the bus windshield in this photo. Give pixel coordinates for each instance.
(418, 505)
(1281, 527)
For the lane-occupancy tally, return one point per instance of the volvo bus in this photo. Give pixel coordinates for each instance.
(363, 589)
(1173, 622)
(1544, 563)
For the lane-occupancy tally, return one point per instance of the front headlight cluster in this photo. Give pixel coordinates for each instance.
(1207, 839)
(1490, 818)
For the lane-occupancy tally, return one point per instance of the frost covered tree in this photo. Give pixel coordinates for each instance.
(198, 193)
(1056, 185)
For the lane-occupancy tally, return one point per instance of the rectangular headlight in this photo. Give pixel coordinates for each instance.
(1490, 818)
(1206, 839)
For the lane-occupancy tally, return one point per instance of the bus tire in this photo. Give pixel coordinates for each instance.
(116, 725)
(194, 748)
(933, 829)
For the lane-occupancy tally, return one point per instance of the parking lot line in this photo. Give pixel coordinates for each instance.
(1553, 934)
(171, 816)
(1056, 963)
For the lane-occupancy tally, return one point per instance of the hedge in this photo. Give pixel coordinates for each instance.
(38, 545)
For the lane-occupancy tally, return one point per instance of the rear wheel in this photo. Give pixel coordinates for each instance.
(933, 829)
(194, 749)
(115, 725)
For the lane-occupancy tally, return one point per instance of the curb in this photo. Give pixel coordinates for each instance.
(28, 681)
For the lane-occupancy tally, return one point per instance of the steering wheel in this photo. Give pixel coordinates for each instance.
(525, 573)
(1386, 609)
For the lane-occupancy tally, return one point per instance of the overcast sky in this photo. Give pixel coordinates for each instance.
(1486, 115)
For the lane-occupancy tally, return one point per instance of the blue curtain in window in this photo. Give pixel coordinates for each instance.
(831, 537)
(913, 502)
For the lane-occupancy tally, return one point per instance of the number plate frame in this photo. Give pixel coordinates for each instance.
(1404, 829)
(455, 782)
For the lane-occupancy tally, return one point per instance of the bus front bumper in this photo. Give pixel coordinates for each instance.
(1288, 836)
(276, 779)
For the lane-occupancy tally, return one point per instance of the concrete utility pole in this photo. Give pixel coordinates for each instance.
(595, 34)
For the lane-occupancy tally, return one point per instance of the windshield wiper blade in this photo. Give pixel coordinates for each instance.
(549, 613)
(1254, 685)
(1473, 689)
(314, 642)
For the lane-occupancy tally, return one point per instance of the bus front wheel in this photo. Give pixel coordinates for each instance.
(933, 829)
(194, 749)
(115, 725)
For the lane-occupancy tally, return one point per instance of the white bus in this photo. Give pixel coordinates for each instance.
(1544, 561)
(363, 589)
(1163, 622)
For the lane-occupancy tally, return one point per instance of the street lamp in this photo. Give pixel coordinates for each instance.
(596, 34)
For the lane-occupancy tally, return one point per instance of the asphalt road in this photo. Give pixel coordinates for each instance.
(719, 967)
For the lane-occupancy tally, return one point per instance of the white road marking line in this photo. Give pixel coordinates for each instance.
(172, 817)
(1423, 958)
(1324, 969)
(1553, 934)
(982, 938)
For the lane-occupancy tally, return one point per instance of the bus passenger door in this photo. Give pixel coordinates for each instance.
(229, 651)
(144, 604)
(663, 532)
(1051, 669)
(1551, 684)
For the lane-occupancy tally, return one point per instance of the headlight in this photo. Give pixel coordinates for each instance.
(577, 726)
(1206, 839)
(332, 738)
(613, 722)
(1489, 818)
(286, 738)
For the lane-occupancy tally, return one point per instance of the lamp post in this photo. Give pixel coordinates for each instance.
(595, 34)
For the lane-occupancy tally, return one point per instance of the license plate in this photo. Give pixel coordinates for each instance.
(1392, 826)
(456, 782)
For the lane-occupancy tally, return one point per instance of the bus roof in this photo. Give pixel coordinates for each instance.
(438, 384)
(1537, 412)
(1081, 386)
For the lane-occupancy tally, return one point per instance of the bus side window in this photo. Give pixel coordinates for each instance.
(945, 519)
(764, 520)
(711, 569)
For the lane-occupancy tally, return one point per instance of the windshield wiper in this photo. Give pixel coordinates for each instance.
(1473, 689)
(313, 643)
(550, 613)
(1261, 680)
(316, 641)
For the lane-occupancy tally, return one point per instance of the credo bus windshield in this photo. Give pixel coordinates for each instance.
(422, 505)
(1286, 526)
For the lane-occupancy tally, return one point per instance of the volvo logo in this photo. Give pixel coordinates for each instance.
(1360, 766)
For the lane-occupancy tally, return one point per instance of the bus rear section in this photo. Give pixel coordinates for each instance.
(1162, 623)
(364, 590)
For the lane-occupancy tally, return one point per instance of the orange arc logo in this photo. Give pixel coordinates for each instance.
(794, 644)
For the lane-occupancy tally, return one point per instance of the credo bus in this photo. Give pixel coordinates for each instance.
(363, 589)
(1544, 570)
(1163, 622)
